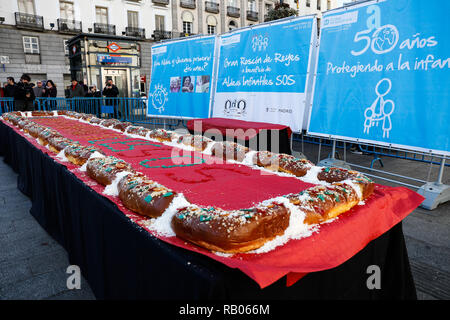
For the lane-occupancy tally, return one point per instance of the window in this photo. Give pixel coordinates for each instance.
(101, 15)
(159, 23)
(211, 29)
(26, 6)
(31, 45)
(187, 27)
(66, 10)
(66, 47)
(268, 7)
(252, 5)
(188, 20)
(318, 4)
(211, 23)
(233, 3)
(308, 3)
(328, 4)
(232, 25)
(133, 19)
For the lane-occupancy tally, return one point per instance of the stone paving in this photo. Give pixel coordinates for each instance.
(33, 265)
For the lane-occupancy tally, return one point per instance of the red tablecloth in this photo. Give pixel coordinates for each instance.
(246, 129)
(332, 245)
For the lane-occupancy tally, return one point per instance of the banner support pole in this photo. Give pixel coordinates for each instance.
(435, 193)
(332, 161)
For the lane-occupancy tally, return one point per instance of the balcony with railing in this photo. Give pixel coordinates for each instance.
(135, 32)
(161, 2)
(188, 4)
(252, 15)
(233, 12)
(105, 28)
(69, 26)
(212, 7)
(29, 21)
(159, 35)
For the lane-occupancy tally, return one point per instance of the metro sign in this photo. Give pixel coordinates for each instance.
(114, 47)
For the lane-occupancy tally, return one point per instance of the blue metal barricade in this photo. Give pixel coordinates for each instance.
(133, 110)
(6, 105)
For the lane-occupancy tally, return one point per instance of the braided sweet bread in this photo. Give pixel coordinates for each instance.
(104, 169)
(45, 135)
(161, 135)
(199, 143)
(144, 196)
(140, 131)
(231, 231)
(57, 143)
(78, 154)
(229, 151)
(282, 163)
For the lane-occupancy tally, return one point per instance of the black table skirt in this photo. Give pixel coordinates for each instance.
(120, 260)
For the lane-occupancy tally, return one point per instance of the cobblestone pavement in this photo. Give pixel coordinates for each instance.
(33, 265)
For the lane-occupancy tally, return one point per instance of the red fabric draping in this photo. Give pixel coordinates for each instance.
(244, 130)
(233, 186)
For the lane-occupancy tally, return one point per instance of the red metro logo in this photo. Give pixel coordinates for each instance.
(114, 47)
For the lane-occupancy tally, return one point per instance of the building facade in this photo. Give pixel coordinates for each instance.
(190, 17)
(34, 34)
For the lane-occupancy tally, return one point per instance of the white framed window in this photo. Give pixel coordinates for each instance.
(211, 29)
(66, 10)
(188, 20)
(101, 15)
(160, 23)
(133, 19)
(211, 24)
(187, 27)
(30, 45)
(26, 6)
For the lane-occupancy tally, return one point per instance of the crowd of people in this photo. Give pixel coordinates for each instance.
(24, 92)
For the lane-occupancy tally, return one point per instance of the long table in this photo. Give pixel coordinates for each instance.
(120, 260)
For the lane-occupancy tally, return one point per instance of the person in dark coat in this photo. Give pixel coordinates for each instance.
(50, 90)
(96, 103)
(24, 98)
(76, 90)
(93, 92)
(11, 88)
(111, 91)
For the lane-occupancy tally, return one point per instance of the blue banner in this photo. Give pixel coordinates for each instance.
(383, 75)
(181, 78)
(114, 58)
(263, 72)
